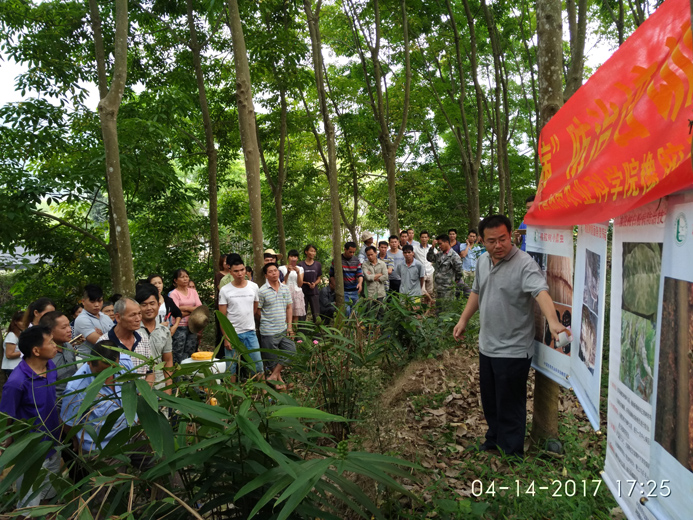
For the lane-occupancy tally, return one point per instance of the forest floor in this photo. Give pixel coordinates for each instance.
(430, 413)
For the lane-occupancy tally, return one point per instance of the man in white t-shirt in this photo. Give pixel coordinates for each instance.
(238, 301)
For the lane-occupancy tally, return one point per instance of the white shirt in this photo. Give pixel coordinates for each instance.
(292, 280)
(10, 364)
(239, 305)
(420, 254)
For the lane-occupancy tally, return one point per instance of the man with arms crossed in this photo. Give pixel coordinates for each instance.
(420, 251)
(238, 301)
(275, 307)
(158, 335)
(506, 282)
(91, 322)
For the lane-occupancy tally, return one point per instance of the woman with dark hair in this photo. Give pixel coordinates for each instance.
(223, 271)
(37, 309)
(168, 311)
(11, 355)
(187, 299)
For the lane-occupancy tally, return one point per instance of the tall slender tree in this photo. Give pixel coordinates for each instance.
(376, 86)
(550, 59)
(313, 18)
(123, 271)
(210, 147)
(246, 123)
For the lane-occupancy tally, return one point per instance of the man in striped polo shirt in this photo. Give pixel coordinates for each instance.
(353, 276)
(274, 306)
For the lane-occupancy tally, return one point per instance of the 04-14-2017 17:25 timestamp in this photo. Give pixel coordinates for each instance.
(555, 488)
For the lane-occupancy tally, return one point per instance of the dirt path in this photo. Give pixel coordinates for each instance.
(431, 414)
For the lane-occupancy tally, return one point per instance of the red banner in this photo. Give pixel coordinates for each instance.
(622, 140)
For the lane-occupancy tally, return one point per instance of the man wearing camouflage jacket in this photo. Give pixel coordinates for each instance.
(448, 267)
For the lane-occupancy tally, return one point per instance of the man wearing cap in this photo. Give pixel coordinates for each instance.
(271, 257)
(367, 239)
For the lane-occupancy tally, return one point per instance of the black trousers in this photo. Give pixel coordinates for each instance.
(503, 383)
(312, 301)
(395, 285)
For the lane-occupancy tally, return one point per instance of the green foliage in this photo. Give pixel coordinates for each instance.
(256, 449)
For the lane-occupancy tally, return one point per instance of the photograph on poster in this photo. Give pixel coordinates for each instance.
(588, 338)
(590, 295)
(558, 271)
(675, 382)
(559, 276)
(642, 266)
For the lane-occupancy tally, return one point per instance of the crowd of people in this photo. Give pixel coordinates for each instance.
(50, 358)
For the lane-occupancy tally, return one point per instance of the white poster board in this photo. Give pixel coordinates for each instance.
(636, 262)
(588, 317)
(670, 483)
(552, 248)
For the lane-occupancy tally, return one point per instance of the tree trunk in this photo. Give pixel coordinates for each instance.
(124, 276)
(246, 123)
(210, 149)
(331, 164)
(577, 21)
(550, 58)
(277, 186)
(378, 104)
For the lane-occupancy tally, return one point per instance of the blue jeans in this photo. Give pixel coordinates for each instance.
(350, 298)
(249, 339)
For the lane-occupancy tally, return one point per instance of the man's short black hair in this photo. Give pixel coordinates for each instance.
(269, 255)
(349, 245)
(146, 291)
(472, 231)
(393, 236)
(50, 319)
(107, 303)
(93, 292)
(309, 247)
(530, 199)
(493, 222)
(452, 230)
(383, 242)
(423, 233)
(403, 232)
(293, 252)
(266, 267)
(32, 337)
(105, 350)
(234, 260)
(371, 248)
(443, 238)
(407, 247)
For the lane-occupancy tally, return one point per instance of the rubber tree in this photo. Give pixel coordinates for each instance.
(313, 18)
(209, 148)
(376, 87)
(549, 60)
(120, 249)
(248, 131)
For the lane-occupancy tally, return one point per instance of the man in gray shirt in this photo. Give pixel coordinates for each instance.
(411, 273)
(507, 281)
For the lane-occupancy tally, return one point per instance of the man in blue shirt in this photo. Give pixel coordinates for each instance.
(108, 400)
(469, 252)
(30, 394)
(519, 237)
